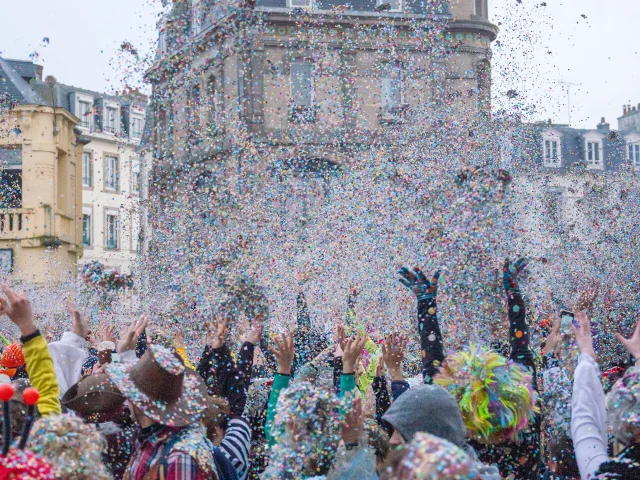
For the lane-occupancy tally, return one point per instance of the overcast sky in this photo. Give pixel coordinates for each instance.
(539, 46)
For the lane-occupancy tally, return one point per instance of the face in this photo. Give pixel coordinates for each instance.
(396, 439)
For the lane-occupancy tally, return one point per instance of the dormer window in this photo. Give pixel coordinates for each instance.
(594, 153)
(551, 152)
(551, 149)
(136, 127)
(111, 123)
(84, 109)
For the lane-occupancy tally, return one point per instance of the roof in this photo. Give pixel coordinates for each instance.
(13, 85)
(25, 68)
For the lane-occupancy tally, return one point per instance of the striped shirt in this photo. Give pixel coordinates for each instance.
(236, 444)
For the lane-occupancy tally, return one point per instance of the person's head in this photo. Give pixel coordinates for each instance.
(308, 425)
(429, 457)
(215, 418)
(378, 442)
(562, 457)
(73, 448)
(160, 389)
(623, 407)
(426, 408)
(495, 395)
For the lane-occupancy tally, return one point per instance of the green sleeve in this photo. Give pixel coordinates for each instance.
(347, 383)
(280, 382)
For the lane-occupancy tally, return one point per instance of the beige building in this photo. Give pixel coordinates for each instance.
(40, 155)
(111, 173)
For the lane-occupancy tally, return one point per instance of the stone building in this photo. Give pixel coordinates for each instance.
(111, 173)
(306, 83)
(40, 164)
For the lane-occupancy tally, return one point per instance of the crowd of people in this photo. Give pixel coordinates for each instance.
(309, 405)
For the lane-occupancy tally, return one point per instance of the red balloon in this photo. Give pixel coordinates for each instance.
(30, 396)
(6, 392)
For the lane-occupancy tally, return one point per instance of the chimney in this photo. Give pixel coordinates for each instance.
(39, 73)
(624, 110)
(603, 127)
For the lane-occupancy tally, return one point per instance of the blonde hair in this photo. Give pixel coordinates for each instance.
(73, 448)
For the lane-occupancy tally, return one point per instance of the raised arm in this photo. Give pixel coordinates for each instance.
(283, 352)
(247, 350)
(518, 328)
(430, 336)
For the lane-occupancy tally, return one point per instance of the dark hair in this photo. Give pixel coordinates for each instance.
(216, 415)
(378, 439)
(562, 453)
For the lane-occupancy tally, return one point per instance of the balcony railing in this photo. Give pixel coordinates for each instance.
(12, 224)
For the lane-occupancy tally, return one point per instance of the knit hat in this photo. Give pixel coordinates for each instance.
(12, 356)
(430, 409)
(495, 395)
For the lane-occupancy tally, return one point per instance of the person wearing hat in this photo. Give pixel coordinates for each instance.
(96, 400)
(167, 400)
(12, 362)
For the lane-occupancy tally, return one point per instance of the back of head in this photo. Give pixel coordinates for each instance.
(430, 409)
(429, 457)
(495, 395)
(74, 449)
(623, 406)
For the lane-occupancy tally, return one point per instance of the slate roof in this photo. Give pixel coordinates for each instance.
(410, 6)
(25, 68)
(13, 85)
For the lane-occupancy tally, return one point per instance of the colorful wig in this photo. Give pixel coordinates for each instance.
(623, 406)
(496, 395)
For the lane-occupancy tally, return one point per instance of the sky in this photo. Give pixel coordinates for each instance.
(537, 48)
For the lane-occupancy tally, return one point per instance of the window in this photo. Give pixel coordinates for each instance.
(196, 17)
(87, 170)
(300, 3)
(111, 231)
(111, 124)
(392, 83)
(394, 5)
(86, 230)
(136, 127)
(551, 152)
(136, 178)
(84, 111)
(302, 83)
(193, 126)
(211, 105)
(111, 173)
(11, 177)
(634, 154)
(593, 154)
(480, 8)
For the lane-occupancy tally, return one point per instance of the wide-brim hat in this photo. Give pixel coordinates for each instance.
(93, 394)
(161, 386)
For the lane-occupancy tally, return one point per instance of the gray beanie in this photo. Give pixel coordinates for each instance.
(430, 409)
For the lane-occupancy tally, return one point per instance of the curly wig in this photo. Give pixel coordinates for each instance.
(496, 395)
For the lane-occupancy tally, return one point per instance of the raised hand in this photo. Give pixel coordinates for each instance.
(105, 333)
(283, 351)
(632, 344)
(393, 353)
(130, 338)
(255, 333)
(79, 324)
(584, 340)
(217, 336)
(352, 350)
(553, 339)
(418, 283)
(510, 274)
(354, 423)
(18, 308)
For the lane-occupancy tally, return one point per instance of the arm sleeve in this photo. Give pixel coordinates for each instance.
(141, 344)
(68, 356)
(229, 380)
(182, 352)
(347, 384)
(350, 319)
(430, 338)
(280, 382)
(337, 373)
(42, 375)
(519, 331)
(588, 417)
(245, 361)
(182, 466)
(383, 401)
(303, 319)
(206, 369)
(398, 387)
(236, 444)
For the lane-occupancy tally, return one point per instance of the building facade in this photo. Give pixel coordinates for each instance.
(307, 82)
(111, 173)
(40, 154)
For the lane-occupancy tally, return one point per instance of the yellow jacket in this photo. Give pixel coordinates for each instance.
(185, 358)
(42, 375)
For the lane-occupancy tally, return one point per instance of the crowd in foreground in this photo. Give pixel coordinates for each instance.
(93, 406)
